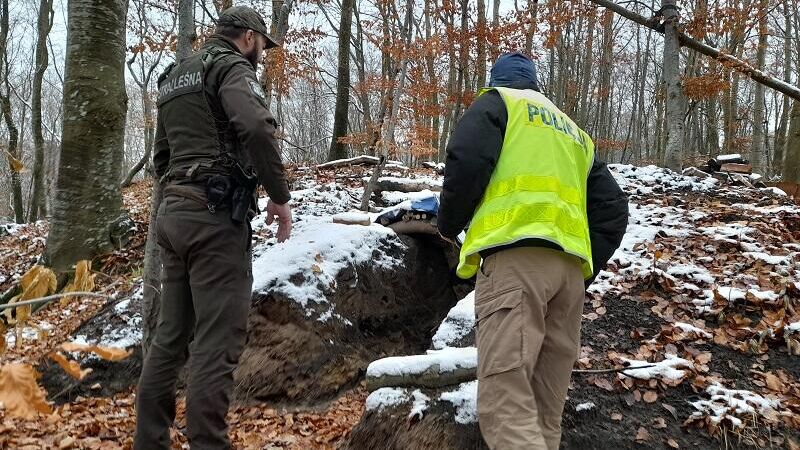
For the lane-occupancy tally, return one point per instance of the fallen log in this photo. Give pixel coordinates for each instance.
(359, 160)
(352, 219)
(737, 168)
(363, 160)
(405, 185)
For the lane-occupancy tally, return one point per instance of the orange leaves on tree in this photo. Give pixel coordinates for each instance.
(108, 353)
(704, 86)
(20, 395)
(14, 163)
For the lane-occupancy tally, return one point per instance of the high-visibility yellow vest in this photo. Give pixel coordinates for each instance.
(538, 188)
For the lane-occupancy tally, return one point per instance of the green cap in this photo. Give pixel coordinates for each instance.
(246, 17)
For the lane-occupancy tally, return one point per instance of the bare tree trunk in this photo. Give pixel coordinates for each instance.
(533, 12)
(88, 199)
(13, 156)
(606, 64)
(783, 121)
(389, 125)
(44, 24)
(186, 30)
(757, 148)
(586, 72)
(480, 67)
(672, 152)
(791, 162)
(430, 66)
(338, 150)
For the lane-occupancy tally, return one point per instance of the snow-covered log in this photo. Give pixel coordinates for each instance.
(435, 369)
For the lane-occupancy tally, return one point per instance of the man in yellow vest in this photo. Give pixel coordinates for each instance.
(544, 215)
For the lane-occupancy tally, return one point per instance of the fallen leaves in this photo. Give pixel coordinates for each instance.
(82, 282)
(642, 435)
(72, 368)
(20, 394)
(108, 353)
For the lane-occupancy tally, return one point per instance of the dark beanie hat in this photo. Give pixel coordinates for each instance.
(514, 70)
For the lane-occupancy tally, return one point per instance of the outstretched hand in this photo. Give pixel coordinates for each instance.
(284, 214)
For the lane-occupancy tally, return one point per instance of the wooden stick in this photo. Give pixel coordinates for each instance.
(50, 298)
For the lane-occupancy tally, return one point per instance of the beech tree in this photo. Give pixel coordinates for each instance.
(88, 198)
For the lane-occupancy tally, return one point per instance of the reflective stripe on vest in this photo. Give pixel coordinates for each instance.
(538, 187)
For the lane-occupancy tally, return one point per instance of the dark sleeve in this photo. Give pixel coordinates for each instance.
(161, 149)
(245, 105)
(472, 153)
(607, 208)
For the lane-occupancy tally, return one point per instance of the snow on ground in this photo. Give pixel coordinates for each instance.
(651, 217)
(584, 406)
(116, 334)
(733, 405)
(305, 267)
(689, 328)
(395, 198)
(460, 321)
(649, 179)
(668, 369)
(386, 397)
(465, 400)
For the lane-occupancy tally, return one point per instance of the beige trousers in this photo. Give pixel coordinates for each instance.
(528, 304)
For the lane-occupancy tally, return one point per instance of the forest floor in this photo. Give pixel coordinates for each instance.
(715, 283)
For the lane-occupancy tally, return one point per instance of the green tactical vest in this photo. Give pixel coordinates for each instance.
(195, 126)
(538, 188)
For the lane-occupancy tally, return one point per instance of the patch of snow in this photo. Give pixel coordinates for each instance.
(775, 191)
(465, 400)
(728, 157)
(394, 197)
(775, 260)
(305, 267)
(430, 181)
(689, 328)
(730, 232)
(419, 404)
(29, 332)
(460, 321)
(727, 403)
(764, 295)
(694, 272)
(446, 360)
(584, 406)
(666, 369)
(386, 397)
(729, 293)
(792, 328)
(120, 336)
(631, 177)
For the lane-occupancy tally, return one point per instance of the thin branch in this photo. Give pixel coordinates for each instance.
(620, 369)
(50, 298)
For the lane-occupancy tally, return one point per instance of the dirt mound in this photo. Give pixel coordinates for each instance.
(293, 357)
(290, 357)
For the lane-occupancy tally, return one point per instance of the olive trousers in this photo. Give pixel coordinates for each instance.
(528, 304)
(206, 291)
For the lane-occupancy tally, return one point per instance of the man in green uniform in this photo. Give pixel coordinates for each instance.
(215, 142)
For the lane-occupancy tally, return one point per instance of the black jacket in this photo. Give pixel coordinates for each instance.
(472, 153)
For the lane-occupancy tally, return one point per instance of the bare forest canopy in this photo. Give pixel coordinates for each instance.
(376, 77)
